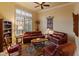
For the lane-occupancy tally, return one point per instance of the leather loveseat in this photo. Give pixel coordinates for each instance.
(28, 36)
(58, 37)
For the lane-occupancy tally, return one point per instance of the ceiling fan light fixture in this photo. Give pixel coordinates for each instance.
(41, 4)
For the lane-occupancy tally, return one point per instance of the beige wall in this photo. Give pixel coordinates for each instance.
(76, 8)
(35, 17)
(63, 20)
(7, 10)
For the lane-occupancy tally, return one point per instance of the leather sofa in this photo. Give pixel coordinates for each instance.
(67, 49)
(58, 37)
(28, 36)
(58, 45)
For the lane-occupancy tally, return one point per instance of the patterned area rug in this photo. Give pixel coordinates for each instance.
(27, 50)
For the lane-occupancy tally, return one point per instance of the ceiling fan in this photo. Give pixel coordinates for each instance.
(41, 4)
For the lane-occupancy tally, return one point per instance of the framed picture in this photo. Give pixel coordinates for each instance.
(50, 22)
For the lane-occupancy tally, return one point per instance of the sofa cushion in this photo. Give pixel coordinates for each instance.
(28, 36)
(56, 36)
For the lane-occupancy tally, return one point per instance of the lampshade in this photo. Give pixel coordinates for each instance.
(49, 31)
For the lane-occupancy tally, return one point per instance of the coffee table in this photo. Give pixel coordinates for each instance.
(39, 40)
(39, 43)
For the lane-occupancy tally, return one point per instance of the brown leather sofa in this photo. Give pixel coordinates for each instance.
(58, 45)
(58, 37)
(67, 49)
(28, 36)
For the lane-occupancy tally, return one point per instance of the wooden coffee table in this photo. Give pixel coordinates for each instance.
(39, 40)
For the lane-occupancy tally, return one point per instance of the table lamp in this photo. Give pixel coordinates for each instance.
(48, 31)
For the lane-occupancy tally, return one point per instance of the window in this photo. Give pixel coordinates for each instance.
(23, 21)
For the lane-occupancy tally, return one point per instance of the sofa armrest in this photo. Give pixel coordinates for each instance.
(67, 49)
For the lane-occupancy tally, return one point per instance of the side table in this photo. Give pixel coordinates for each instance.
(19, 39)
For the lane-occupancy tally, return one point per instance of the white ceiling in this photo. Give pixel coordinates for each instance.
(31, 5)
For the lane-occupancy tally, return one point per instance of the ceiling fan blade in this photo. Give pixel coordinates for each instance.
(46, 5)
(42, 7)
(36, 6)
(36, 2)
(43, 2)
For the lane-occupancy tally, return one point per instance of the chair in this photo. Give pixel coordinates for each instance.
(12, 48)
